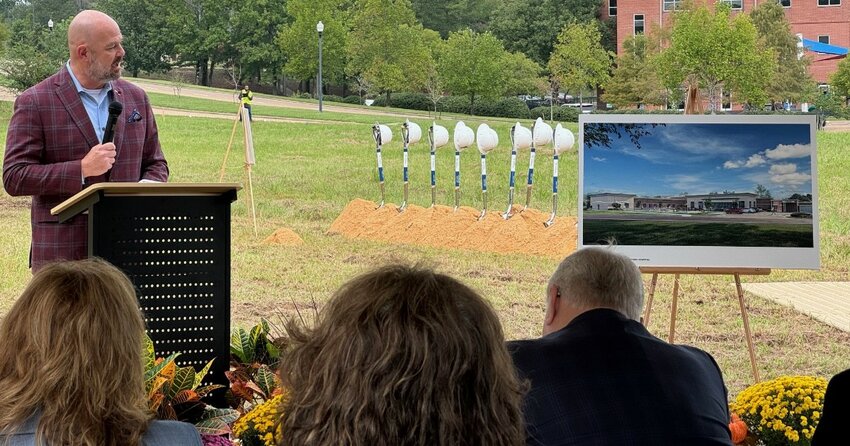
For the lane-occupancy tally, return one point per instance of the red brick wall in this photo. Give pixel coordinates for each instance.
(806, 17)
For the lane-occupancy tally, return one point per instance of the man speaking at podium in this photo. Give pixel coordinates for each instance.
(55, 145)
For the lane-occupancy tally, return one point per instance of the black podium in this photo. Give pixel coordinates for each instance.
(173, 241)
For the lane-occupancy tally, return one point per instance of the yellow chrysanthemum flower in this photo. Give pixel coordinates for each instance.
(784, 410)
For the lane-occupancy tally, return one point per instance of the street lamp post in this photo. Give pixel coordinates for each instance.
(320, 27)
(50, 24)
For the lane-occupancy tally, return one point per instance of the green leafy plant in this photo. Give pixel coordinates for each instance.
(254, 357)
(175, 393)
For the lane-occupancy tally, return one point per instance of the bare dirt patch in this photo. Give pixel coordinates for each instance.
(441, 226)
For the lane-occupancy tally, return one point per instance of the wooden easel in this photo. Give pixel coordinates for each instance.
(736, 272)
(243, 116)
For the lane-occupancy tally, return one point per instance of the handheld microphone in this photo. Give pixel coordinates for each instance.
(115, 109)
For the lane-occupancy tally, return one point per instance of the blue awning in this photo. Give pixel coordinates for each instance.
(824, 48)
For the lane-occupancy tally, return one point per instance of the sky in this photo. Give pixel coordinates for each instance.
(701, 158)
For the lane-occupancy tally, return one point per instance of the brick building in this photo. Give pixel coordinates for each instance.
(823, 21)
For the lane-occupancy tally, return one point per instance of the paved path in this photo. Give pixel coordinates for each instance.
(264, 100)
(828, 302)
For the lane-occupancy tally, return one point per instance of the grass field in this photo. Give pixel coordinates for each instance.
(307, 172)
(673, 233)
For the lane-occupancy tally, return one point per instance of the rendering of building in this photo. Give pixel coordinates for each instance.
(608, 201)
(824, 25)
(717, 202)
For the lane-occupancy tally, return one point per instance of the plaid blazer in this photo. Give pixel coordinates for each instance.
(605, 380)
(48, 136)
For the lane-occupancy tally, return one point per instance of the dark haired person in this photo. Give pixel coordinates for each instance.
(401, 356)
(833, 427)
(598, 377)
(55, 146)
(71, 370)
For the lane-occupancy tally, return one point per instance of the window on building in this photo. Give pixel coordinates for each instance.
(785, 3)
(823, 39)
(726, 100)
(736, 4)
(670, 5)
(829, 2)
(639, 24)
(612, 8)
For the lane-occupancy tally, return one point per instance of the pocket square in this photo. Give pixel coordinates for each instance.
(135, 116)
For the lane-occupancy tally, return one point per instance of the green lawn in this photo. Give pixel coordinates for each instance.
(674, 233)
(307, 172)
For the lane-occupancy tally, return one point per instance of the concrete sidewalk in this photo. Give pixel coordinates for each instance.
(828, 302)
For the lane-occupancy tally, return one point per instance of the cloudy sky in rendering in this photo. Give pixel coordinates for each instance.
(692, 158)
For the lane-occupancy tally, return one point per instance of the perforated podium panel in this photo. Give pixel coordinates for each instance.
(176, 250)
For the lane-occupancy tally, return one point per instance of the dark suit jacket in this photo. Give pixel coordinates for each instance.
(48, 136)
(833, 428)
(604, 380)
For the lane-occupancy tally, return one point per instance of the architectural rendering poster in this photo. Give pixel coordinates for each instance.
(700, 190)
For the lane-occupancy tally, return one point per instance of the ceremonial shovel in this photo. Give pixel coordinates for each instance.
(562, 140)
(438, 136)
(382, 135)
(541, 134)
(487, 139)
(520, 139)
(411, 133)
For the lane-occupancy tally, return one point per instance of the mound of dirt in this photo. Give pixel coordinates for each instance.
(284, 236)
(441, 226)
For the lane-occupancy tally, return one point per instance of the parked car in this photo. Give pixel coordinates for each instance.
(734, 211)
(749, 210)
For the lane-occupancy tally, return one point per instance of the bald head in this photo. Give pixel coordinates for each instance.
(94, 44)
(83, 28)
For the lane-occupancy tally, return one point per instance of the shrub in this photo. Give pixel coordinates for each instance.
(353, 99)
(409, 101)
(332, 98)
(304, 95)
(562, 114)
(512, 108)
(453, 104)
(782, 411)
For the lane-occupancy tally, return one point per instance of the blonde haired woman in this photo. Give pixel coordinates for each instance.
(71, 364)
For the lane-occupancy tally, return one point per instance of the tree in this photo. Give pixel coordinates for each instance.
(142, 23)
(388, 47)
(840, 80)
(200, 30)
(521, 75)
(635, 80)
(762, 191)
(471, 64)
(447, 16)
(254, 25)
(792, 80)
(579, 61)
(299, 40)
(710, 49)
(33, 53)
(531, 27)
